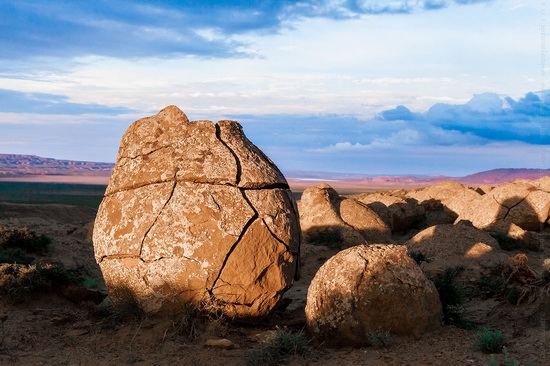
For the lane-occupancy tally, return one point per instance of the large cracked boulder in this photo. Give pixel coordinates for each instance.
(370, 288)
(195, 213)
(327, 218)
(524, 203)
(451, 246)
(444, 201)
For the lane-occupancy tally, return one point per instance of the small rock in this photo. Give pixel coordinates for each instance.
(222, 343)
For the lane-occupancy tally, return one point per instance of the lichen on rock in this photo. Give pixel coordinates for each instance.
(194, 212)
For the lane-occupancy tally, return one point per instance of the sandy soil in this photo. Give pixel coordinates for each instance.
(48, 329)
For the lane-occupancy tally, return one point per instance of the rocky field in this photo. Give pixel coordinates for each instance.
(482, 249)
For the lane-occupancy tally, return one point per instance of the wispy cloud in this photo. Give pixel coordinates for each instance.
(487, 116)
(485, 133)
(115, 28)
(12, 101)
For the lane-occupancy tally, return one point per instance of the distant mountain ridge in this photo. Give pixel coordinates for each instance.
(498, 176)
(14, 166)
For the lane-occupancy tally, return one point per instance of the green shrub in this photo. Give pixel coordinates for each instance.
(17, 281)
(16, 243)
(264, 356)
(489, 286)
(15, 256)
(506, 242)
(505, 362)
(380, 339)
(490, 341)
(286, 343)
(513, 295)
(419, 257)
(24, 239)
(452, 296)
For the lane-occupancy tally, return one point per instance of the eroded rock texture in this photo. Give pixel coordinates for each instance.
(523, 203)
(370, 288)
(326, 216)
(194, 212)
(444, 201)
(403, 213)
(451, 246)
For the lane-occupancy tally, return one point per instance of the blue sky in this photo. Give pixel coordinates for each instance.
(433, 87)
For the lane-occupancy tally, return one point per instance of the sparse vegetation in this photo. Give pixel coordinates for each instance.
(490, 341)
(419, 257)
(452, 296)
(330, 238)
(505, 361)
(16, 243)
(513, 294)
(15, 256)
(285, 344)
(18, 281)
(489, 286)
(380, 339)
(506, 242)
(125, 310)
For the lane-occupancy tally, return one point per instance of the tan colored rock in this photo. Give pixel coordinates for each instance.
(457, 245)
(518, 202)
(406, 213)
(195, 213)
(530, 240)
(484, 188)
(324, 213)
(383, 212)
(369, 288)
(542, 183)
(444, 201)
(222, 343)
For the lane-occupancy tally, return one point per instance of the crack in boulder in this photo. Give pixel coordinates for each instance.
(157, 217)
(276, 237)
(179, 225)
(118, 256)
(137, 186)
(237, 160)
(248, 224)
(147, 153)
(511, 207)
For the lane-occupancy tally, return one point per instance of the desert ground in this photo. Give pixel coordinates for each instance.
(67, 324)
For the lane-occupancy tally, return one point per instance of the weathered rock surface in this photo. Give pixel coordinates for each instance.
(369, 288)
(529, 239)
(457, 245)
(405, 213)
(520, 202)
(194, 212)
(324, 214)
(383, 212)
(444, 201)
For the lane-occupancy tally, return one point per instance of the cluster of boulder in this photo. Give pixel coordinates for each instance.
(195, 213)
(361, 288)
